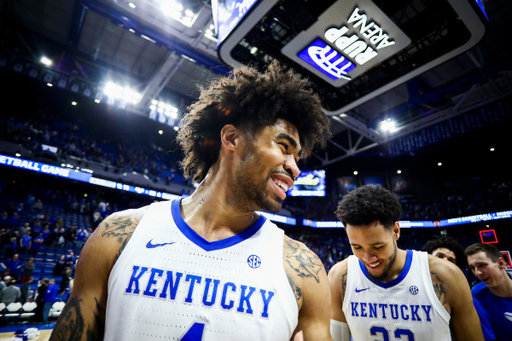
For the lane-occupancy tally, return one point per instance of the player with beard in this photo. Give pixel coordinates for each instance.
(385, 293)
(209, 267)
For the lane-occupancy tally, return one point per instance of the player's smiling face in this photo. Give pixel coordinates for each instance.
(376, 247)
(268, 167)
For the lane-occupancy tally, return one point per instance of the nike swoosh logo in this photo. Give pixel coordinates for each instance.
(152, 246)
(359, 290)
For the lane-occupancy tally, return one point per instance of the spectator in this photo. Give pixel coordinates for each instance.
(49, 298)
(71, 260)
(38, 205)
(81, 237)
(492, 296)
(66, 278)
(37, 243)
(11, 293)
(37, 228)
(45, 234)
(25, 243)
(41, 290)
(24, 229)
(96, 217)
(70, 237)
(21, 208)
(13, 264)
(4, 277)
(60, 265)
(4, 219)
(28, 268)
(25, 290)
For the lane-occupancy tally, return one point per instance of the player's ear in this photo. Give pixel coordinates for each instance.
(396, 230)
(229, 136)
(502, 264)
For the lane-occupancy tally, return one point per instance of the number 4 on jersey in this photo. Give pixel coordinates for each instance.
(194, 333)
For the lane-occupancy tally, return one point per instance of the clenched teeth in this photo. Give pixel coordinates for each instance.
(283, 185)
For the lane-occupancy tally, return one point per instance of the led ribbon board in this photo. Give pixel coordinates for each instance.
(227, 14)
(72, 174)
(309, 183)
(347, 40)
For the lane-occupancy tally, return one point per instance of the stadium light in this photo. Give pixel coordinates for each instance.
(46, 61)
(388, 126)
(132, 5)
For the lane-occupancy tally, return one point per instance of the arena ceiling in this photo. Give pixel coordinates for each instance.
(103, 38)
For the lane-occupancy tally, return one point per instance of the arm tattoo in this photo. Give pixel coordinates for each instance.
(439, 288)
(343, 284)
(70, 325)
(302, 260)
(296, 289)
(122, 228)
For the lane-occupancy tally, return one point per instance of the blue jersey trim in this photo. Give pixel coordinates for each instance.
(403, 274)
(216, 245)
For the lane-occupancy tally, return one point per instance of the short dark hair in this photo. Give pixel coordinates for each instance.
(490, 250)
(251, 100)
(449, 243)
(367, 204)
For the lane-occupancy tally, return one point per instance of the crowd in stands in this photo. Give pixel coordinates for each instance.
(76, 138)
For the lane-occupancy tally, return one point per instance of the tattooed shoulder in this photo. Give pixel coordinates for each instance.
(121, 226)
(300, 263)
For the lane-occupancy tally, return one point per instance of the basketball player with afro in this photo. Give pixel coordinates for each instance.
(209, 267)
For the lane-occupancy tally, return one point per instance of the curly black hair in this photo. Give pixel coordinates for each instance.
(249, 100)
(368, 204)
(449, 243)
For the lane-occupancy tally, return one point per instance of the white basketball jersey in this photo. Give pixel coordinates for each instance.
(171, 284)
(406, 308)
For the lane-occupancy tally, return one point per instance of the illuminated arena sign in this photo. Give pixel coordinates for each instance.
(343, 49)
(351, 51)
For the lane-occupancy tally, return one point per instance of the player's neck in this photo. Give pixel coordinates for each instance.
(398, 266)
(213, 213)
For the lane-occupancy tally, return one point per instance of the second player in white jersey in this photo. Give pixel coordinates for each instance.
(406, 308)
(384, 293)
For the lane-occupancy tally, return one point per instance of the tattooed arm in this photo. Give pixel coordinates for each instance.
(338, 284)
(308, 280)
(452, 290)
(83, 317)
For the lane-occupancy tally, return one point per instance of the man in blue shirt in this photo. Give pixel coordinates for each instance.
(25, 243)
(493, 296)
(13, 265)
(49, 298)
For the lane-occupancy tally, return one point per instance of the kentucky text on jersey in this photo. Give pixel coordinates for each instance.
(145, 281)
(405, 312)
